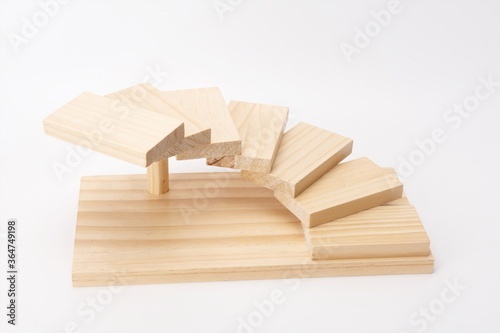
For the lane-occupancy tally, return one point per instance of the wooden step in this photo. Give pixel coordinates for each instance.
(347, 189)
(207, 106)
(146, 96)
(305, 154)
(118, 129)
(261, 129)
(208, 227)
(390, 230)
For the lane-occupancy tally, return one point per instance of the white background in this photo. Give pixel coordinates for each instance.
(393, 92)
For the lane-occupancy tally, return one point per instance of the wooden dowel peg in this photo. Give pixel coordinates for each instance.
(158, 177)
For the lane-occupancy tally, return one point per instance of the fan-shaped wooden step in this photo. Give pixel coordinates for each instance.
(305, 154)
(348, 188)
(261, 129)
(207, 106)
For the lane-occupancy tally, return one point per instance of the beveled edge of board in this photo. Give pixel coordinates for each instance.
(308, 269)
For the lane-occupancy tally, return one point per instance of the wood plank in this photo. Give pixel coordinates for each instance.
(261, 129)
(120, 130)
(146, 96)
(207, 106)
(347, 189)
(306, 153)
(391, 230)
(199, 232)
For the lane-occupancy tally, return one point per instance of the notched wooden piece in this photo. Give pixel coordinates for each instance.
(261, 129)
(115, 128)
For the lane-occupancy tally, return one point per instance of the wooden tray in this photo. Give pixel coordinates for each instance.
(208, 227)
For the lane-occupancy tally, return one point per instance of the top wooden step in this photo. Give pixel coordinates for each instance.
(118, 129)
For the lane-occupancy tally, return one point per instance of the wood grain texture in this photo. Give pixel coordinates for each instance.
(120, 130)
(347, 189)
(305, 154)
(208, 227)
(261, 129)
(207, 106)
(158, 177)
(196, 132)
(391, 230)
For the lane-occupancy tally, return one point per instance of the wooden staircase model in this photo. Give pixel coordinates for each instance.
(294, 211)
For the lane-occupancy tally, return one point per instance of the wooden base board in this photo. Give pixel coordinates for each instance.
(208, 227)
(207, 105)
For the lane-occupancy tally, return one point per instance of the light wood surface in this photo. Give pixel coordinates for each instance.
(158, 177)
(348, 188)
(305, 154)
(209, 108)
(146, 96)
(121, 130)
(393, 229)
(208, 227)
(261, 128)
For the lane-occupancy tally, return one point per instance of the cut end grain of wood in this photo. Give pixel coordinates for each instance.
(261, 129)
(115, 128)
(349, 188)
(197, 133)
(209, 108)
(305, 154)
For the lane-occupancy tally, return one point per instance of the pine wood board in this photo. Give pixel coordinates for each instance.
(118, 129)
(391, 230)
(305, 154)
(261, 129)
(208, 227)
(207, 105)
(349, 188)
(146, 96)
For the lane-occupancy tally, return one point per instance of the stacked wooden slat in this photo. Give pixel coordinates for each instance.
(294, 210)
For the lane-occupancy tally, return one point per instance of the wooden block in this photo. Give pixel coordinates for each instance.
(390, 230)
(348, 188)
(121, 130)
(158, 177)
(146, 96)
(208, 227)
(306, 153)
(207, 106)
(261, 129)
